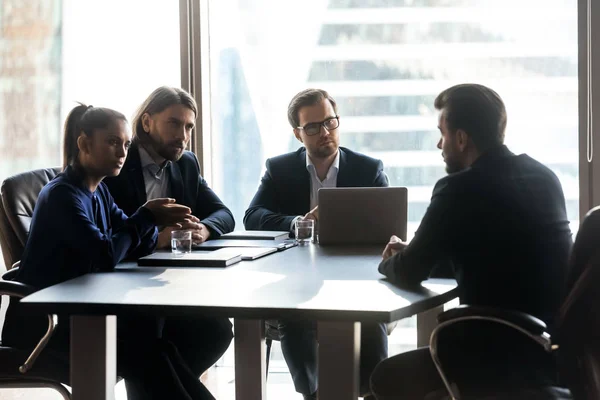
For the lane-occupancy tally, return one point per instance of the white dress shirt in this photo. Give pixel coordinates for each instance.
(316, 184)
(156, 179)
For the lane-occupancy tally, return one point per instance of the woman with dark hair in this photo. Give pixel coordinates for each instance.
(77, 229)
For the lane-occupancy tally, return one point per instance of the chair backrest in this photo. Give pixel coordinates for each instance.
(19, 194)
(578, 325)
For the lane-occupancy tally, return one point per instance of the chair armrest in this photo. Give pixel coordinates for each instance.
(529, 323)
(15, 289)
(12, 273)
(20, 290)
(526, 324)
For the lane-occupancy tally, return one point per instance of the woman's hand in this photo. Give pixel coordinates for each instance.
(167, 213)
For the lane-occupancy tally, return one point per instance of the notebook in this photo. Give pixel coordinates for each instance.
(257, 235)
(221, 243)
(214, 259)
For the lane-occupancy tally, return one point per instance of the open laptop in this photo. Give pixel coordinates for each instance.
(362, 215)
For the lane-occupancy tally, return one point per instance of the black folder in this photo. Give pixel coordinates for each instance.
(212, 259)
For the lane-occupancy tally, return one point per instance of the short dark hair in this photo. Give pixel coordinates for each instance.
(158, 101)
(476, 109)
(307, 97)
(85, 120)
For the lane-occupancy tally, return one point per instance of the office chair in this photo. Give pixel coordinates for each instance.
(578, 322)
(20, 368)
(19, 194)
(575, 343)
(272, 333)
(31, 369)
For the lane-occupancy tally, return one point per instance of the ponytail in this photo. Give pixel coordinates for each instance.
(85, 120)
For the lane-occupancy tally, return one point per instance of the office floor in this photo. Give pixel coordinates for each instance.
(220, 379)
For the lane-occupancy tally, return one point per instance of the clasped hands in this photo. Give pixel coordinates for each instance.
(175, 217)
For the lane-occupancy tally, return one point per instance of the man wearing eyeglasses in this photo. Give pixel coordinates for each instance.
(288, 192)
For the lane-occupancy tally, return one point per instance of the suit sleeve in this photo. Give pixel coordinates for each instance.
(211, 211)
(381, 179)
(262, 214)
(431, 242)
(81, 231)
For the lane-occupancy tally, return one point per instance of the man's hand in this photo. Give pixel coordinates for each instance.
(313, 214)
(394, 246)
(200, 232)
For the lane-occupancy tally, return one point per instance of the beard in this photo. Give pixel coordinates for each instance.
(170, 151)
(324, 151)
(452, 166)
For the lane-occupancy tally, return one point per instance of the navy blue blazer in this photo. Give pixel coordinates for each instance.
(503, 225)
(284, 191)
(188, 187)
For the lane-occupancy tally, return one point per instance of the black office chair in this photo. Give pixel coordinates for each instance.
(20, 368)
(578, 322)
(575, 344)
(31, 369)
(272, 333)
(19, 194)
(498, 388)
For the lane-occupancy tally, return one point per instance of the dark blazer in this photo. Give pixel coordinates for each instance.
(188, 187)
(503, 225)
(284, 191)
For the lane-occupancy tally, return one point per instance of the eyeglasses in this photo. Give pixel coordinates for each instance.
(315, 127)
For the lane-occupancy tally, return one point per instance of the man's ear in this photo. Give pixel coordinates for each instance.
(146, 122)
(462, 140)
(297, 134)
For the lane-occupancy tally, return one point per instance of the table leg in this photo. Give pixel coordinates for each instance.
(339, 353)
(93, 357)
(250, 360)
(426, 323)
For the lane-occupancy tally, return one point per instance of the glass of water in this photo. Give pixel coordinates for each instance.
(181, 242)
(305, 229)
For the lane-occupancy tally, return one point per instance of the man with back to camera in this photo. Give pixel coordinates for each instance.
(501, 220)
(159, 166)
(288, 192)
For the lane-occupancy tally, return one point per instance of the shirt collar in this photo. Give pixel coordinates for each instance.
(148, 163)
(145, 158)
(335, 165)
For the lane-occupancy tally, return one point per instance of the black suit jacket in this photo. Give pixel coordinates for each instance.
(503, 225)
(284, 191)
(188, 187)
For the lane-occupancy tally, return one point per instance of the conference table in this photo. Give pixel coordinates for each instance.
(338, 287)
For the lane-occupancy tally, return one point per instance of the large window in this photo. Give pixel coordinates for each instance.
(53, 53)
(385, 61)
